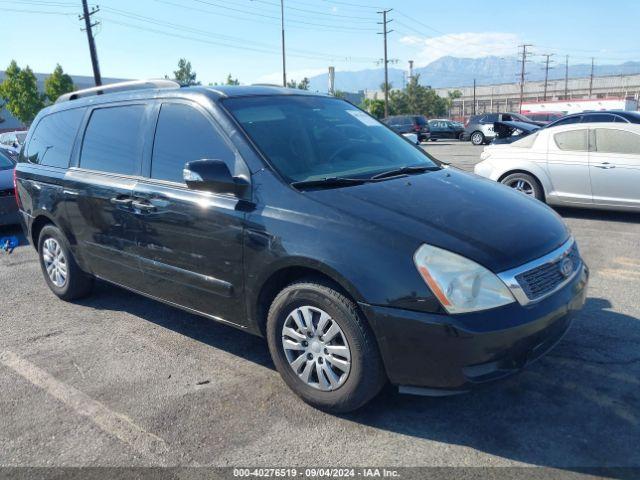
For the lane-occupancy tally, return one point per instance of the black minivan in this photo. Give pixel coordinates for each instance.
(300, 218)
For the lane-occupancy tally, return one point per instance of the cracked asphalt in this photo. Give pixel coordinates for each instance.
(120, 380)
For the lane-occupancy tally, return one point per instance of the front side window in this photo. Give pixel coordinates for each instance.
(609, 140)
(573, 140)
(313, 138)
(53, 137)
(184, 134)
(113, 140)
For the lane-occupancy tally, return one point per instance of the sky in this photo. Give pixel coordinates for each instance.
(145, 38)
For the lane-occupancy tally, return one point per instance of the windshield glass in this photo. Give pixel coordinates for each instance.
(21, 136)
(5, 162)
(312, 138)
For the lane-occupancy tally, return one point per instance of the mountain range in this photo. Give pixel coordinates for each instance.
(460, 72)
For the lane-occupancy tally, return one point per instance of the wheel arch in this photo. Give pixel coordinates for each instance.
(286, 273)
(37, 224)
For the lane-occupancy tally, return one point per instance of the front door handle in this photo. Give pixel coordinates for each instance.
(605, 165)
(121, 202)
(142, 206)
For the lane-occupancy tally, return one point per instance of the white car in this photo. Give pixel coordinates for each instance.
(581, 165)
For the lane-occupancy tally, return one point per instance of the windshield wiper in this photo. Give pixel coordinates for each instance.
(330, 182)
(405, 171)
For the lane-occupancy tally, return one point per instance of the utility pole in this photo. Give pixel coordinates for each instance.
(284, 62)
(410, 70)
(566, 78)
(474, 97)
(86, 16)
(593, 61)
(332, 81)
(522, 71)
(546, 74)
(385, 32)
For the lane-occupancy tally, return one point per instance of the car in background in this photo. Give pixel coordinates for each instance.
(544, 117)
(412, 137)
(13, 139)
(10, 152)
(479, 128)
(409, 124)
(591, 165)
(598, 117)
(8, 205)
(445, 129)
(509, 132)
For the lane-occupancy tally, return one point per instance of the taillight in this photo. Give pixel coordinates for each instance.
(15, 188)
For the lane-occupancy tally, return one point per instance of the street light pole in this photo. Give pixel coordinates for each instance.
(284, 63)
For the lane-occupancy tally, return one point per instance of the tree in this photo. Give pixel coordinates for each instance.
(417, 99)
(20, 94)
(374, 106)
(232, 81)
(184, 75)
(303, 85)
(340, 94)
(58, 84)
(451, 96)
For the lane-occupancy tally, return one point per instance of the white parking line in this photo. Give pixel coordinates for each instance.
(147, 444)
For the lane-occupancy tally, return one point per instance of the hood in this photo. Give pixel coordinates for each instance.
(482, 220)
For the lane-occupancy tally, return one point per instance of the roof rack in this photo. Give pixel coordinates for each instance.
(117, 87)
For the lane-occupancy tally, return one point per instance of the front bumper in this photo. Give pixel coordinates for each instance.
(453, 353)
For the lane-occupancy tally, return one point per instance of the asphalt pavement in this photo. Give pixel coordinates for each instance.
(120, 380)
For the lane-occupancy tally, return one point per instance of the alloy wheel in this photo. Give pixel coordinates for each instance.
(316, 348)
(55, 262)
(522, 186)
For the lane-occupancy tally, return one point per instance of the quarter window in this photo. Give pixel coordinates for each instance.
(573, 140)
(113, 140)
(53, 138)
(184, 134)
(609, 140)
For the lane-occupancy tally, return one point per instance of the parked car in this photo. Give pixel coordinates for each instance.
(300, 218)
(444, 129)
(13, 139)
(597, 117)
(409, 124)
(412, 137)
(9, 152)
(479, 128)
(8, 206)
(544, 117)
(509, 132)
(582, 165)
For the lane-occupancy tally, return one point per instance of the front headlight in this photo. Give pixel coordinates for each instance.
(460, 284)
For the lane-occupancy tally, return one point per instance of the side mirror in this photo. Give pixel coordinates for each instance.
(213, 175)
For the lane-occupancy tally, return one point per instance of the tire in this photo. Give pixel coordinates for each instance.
(477, 138)
(365, 377)
(461, 137)
(54, 255)
(524, 183)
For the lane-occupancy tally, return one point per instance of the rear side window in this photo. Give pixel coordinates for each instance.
(184, 134)
(617, 141)
(573, 140)
(52, 140)
(113, 140)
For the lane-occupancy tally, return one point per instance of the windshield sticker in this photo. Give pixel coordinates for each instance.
(364, 118)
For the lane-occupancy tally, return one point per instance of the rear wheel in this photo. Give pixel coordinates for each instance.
(477, 138)
(524, 183)
(61, 272)
(324, 351)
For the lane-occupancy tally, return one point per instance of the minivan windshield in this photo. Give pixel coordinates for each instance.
(308, 138)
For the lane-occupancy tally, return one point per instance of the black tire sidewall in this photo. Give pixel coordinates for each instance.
(347, 396)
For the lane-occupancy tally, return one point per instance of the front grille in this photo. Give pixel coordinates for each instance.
(7, 193)
(541, 280)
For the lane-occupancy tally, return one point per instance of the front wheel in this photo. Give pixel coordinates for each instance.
(477, 138)
(524, 183)
(324, 351)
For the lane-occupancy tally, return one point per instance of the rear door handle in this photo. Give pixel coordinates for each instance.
(605, 165)
(142, 206)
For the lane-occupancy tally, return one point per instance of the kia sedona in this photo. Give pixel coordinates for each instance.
(299, 218)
